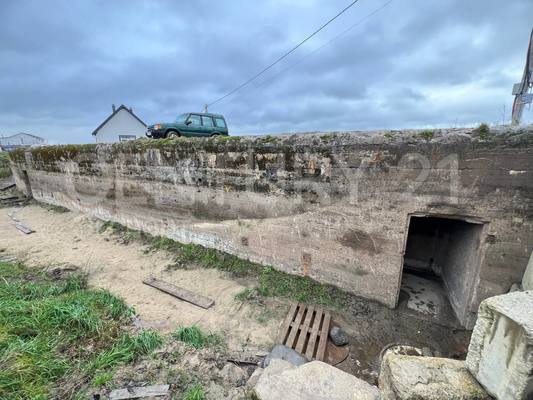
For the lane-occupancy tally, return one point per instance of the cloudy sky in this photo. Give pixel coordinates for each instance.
(414, 63)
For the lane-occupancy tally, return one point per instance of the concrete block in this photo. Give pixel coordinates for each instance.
(500, 355)
(427, 378)
(527, 280)
(312, 381)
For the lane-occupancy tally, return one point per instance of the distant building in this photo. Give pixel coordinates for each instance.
(8, 143)
(120, 126)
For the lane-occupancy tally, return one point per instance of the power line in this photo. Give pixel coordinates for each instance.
(284, 55)
(272, 77)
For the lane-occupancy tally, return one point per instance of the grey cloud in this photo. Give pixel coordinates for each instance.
(62, 63)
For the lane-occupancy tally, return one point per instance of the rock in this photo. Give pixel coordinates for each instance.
(255, 377)
(311, 381)
(282, 352)
(515, 287)
(427, 378)
(338, 336)
(500, 355)
(234, 374)
(427, 352)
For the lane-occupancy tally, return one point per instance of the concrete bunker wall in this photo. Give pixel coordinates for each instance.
(333, 207)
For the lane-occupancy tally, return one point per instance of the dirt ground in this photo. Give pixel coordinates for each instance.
(73, 238)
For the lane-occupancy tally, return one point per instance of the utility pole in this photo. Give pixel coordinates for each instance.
(205, 108)
(520, 90)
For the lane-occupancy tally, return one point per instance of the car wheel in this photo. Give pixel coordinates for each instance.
(215, 135)
(173, 135)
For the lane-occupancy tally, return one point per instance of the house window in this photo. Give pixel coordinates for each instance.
(125, 138)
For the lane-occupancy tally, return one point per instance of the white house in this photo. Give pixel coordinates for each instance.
(21, 139)
(120, 126)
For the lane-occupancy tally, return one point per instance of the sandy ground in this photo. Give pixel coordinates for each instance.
(73, 238)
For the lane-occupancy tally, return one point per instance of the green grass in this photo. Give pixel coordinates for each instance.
(226, 138)
(194, 336)
(427, 134)
(270, 282)
(54, 208)
(102, 379)
(5, 173)
(269, 139)
(126, 349)
(195, 393)
(483, 130)
(52, 331)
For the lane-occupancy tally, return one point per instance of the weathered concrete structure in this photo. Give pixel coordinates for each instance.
(343, 208)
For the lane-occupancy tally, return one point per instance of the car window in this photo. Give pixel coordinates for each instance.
(207, 121)
(220, 122)
(195, 120)
(182, 118)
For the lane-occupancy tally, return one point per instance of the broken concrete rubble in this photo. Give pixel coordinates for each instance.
(234, 374)
(500, 355)
(427, 378)
(282, 352)
(312, 381)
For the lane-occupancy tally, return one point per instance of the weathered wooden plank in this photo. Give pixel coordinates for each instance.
(180, 293)
(309, 353)
(283, 332)
(136, 392)
(304, 330)
(24, 229)
(323, 337)
(9, 186)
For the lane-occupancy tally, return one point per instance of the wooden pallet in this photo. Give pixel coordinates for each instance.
(306, 330)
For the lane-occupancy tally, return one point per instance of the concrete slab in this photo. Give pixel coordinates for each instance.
(427, 378)
(312, 381)
(500, 355)
(425, 296)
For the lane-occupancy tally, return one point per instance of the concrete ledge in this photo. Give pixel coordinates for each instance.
(501, 348)
(427, 378)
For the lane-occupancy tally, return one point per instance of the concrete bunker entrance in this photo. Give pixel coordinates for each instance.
(441, 264)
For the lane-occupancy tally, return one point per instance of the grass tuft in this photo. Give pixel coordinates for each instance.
(194, 336)
(195, 393)
(102, 379)
(125, 350)
(427, 134)
(483, 130)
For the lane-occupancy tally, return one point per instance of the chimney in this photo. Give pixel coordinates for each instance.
(131, 109)
(113, 107)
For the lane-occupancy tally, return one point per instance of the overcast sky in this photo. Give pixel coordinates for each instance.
(415, 63)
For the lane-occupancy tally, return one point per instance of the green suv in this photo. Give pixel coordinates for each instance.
(190, 124)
